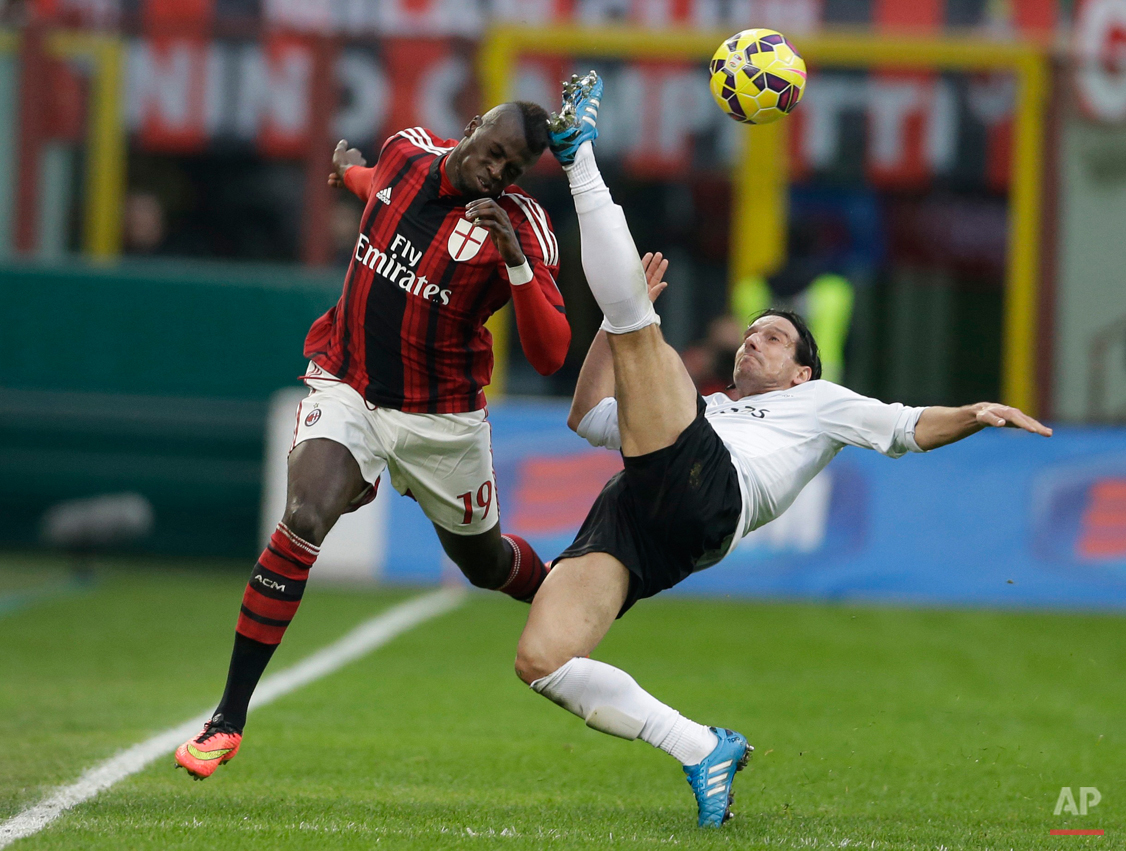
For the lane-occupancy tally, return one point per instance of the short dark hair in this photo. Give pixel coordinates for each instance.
(805, 353)
(536, 134)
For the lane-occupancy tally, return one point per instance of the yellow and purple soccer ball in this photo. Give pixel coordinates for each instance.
(757, 76)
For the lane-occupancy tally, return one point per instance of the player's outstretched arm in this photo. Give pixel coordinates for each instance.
(596, 378)
(939, 426)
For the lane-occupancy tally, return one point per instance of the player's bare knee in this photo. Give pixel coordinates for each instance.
(535, 661)
(307, 521)
(530, 669)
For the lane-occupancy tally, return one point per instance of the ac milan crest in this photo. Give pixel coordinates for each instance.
(466, 240)
(313, 416)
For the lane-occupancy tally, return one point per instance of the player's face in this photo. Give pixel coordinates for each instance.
(767, 359)
(493, 155)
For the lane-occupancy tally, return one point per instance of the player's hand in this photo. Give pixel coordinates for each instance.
(488, 214)
(655, 266)
(342, 158)
(1004, 416)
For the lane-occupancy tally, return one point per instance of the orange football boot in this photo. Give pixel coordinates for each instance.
(216, 744)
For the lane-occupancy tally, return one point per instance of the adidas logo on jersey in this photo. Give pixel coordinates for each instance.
(384, 195)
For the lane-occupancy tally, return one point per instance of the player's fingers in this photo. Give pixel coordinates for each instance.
(488, 221)
(342, 145)
(1012, 416)
(645, 259)
(1024, 421)
(990, 417)
(656, 290)
(654, 267)
(496, 217)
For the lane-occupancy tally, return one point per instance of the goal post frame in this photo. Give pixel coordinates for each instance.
(760, 177)
(106, 143)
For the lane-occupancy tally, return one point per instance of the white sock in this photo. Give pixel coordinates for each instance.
(587, 185)
(613, 269)
(611, 701)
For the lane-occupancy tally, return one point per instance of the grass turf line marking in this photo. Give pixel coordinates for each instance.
(359, 642)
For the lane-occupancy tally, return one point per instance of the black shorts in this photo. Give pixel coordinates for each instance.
(667, 514)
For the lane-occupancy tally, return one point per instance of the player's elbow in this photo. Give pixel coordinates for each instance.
(551, 355)
(581, 405)
(550, 363)
(574, 418)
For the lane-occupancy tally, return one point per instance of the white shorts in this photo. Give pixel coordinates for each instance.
(444, 461)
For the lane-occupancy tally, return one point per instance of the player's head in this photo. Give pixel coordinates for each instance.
(778, 352)
(498, 147)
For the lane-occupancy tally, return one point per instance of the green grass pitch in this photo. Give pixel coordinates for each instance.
(874, 727)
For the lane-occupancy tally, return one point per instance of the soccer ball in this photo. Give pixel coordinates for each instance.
(757, 76)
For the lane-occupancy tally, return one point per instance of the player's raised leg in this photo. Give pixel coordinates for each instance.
(570, 615)
(656, 396)
(323, 482)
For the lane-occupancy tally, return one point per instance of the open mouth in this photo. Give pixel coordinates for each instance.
(486, 187)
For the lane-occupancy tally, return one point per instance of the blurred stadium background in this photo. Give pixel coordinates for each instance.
(946, 205)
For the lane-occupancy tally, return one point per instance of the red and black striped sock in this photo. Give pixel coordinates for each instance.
(528, 570)
(268, 605)
(276, 585)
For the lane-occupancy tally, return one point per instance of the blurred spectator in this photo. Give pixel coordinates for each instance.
(144, 223)
(709, 360)
(827, 305)
(344, 223)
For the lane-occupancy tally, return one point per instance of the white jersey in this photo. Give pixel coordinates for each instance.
(780, 440)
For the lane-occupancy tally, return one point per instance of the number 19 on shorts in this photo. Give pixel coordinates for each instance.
(483, 503)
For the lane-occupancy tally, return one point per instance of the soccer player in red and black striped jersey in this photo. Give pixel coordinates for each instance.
(398, 369)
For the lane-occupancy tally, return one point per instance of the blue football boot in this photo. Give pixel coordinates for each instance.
(577, 121)
(711, 778)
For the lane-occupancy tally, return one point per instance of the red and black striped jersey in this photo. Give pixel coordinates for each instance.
(409, 329)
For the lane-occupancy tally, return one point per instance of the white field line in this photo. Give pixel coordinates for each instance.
(359, 642)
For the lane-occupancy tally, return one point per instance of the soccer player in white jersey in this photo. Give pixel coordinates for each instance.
(699, 473)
